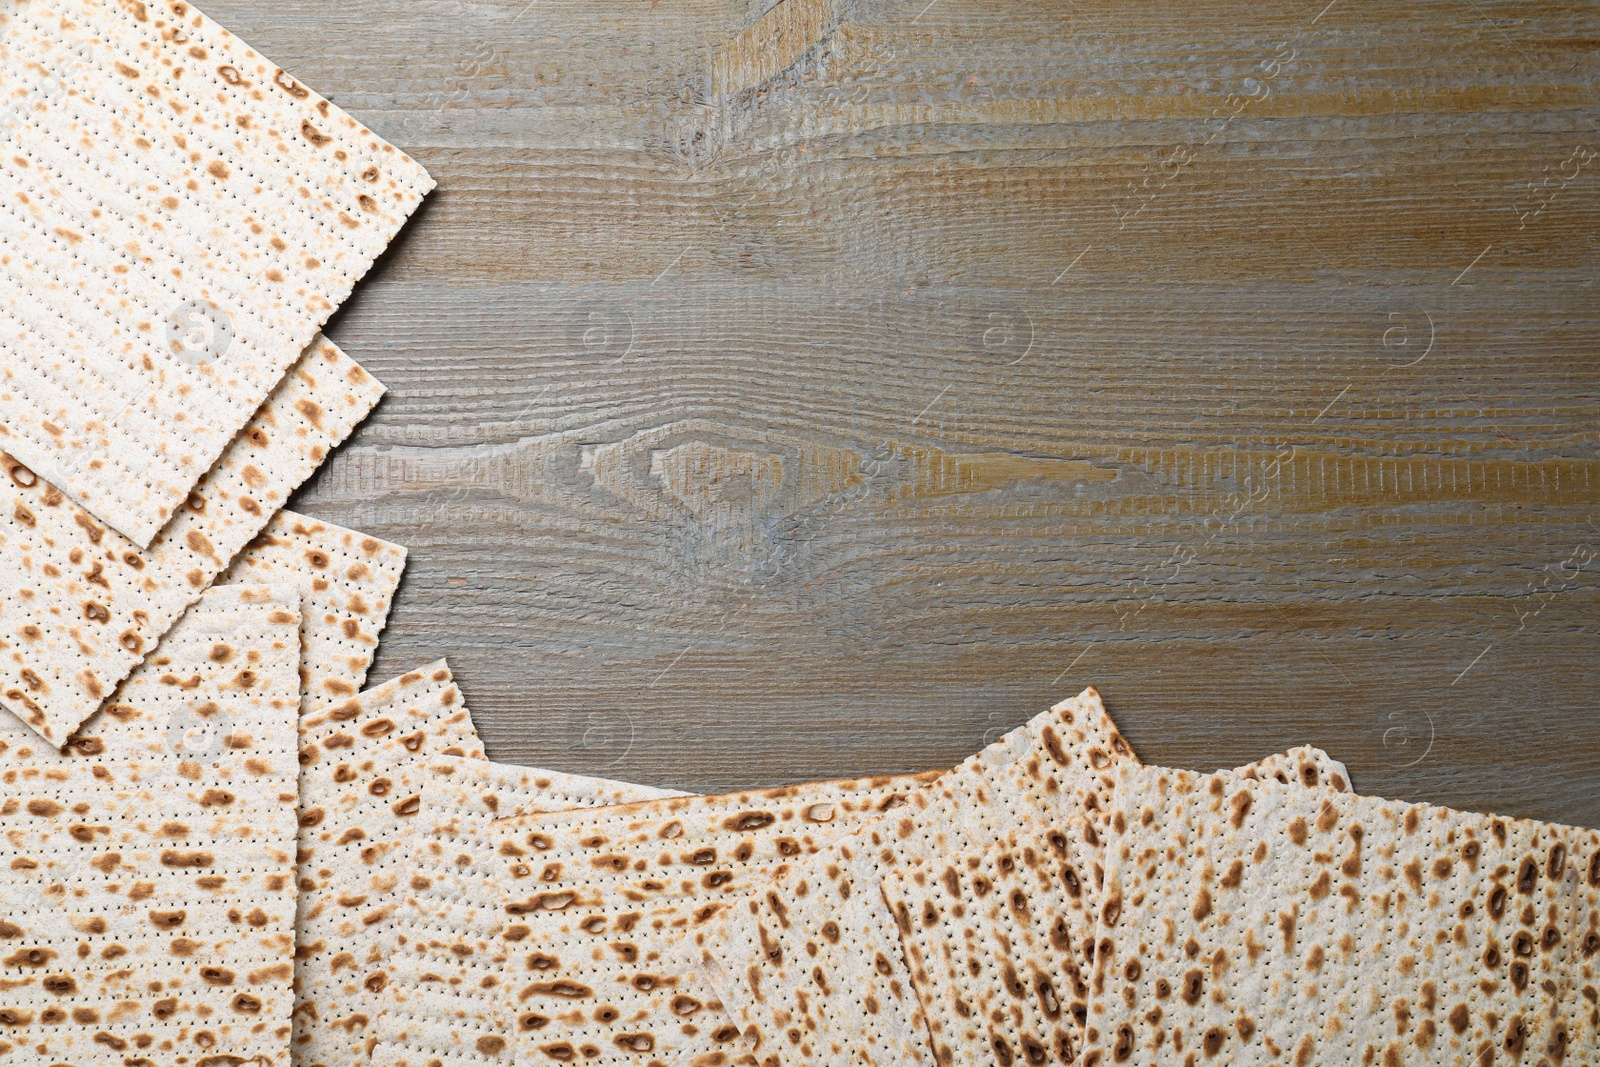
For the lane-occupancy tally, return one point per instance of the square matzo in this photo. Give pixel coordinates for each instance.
(602, 901)
(452, 975)
(810, 965)
(360, 790)
(994, 932)
(346, 581)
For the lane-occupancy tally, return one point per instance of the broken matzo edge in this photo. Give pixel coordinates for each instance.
(80, 605)
(147, 894)
(1261, 922)
(607, 895)
(178, 218)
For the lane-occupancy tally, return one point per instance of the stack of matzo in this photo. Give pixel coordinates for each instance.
(1263, 922)
(1048, 901)
(178, 218)
(81, 606)
(148, 881)
(218, 851)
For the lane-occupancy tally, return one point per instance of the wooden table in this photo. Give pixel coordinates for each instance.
(810, 391)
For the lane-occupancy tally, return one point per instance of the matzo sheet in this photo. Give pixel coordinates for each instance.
(361, 763)
(992, 937)
(607, 897)
(451, 973)
(810, 964)
(1257, 923)
(178, 218)
(80, 605)
(346, 581)
(994, 964)
(147, 885)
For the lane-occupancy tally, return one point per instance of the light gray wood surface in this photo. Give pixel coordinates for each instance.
(827, 390)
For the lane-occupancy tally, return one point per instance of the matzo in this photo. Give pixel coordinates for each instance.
(360, 761)
(178, 217)
(148, 883)
(810, 964)
(992, 933)
(1263, 923)
(346, 582)
(365, 882)
(451, 974)
(80, 605)
(993, 960)
(605, 896)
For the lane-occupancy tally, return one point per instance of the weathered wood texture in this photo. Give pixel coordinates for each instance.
(830, 396)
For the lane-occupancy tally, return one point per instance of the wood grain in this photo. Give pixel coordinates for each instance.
(801, 390)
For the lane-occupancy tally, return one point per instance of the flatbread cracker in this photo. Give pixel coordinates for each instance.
(992, 937)
(994, 964)
(1255, 922)
(147, 886)
(803, 995)
(372, 877)
(80, 605)
(451, 975)
(605, 896)
(360, 763)
(178, 218)
(346, 580)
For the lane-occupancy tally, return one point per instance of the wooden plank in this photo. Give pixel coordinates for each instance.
(753, 422)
